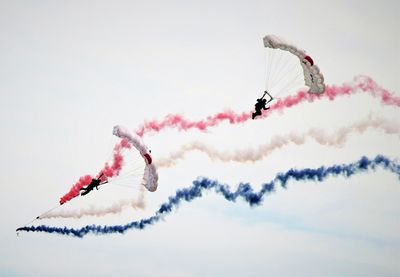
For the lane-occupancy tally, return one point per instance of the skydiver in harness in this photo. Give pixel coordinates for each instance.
(261, 102)
(95, 183)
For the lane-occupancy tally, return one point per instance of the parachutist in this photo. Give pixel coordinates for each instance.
(95, 183)
(261, 104)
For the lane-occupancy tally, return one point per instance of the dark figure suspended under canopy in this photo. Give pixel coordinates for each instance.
(261, 105)
(95, 183)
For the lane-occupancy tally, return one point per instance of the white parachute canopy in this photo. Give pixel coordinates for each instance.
(289, 68)
(150, 176)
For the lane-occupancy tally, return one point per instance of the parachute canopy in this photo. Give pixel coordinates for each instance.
(285, 72)
(150, 176)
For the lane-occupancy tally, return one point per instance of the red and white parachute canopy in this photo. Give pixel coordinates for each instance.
(289, 68)
(150, 176)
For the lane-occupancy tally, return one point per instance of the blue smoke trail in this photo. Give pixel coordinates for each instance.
(244, 191)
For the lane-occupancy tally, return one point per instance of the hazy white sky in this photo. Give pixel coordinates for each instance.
(71, 70)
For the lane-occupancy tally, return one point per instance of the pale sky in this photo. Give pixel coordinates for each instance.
(71, 70)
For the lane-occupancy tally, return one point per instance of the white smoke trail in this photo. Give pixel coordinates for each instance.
(337, 139)
(115, 208)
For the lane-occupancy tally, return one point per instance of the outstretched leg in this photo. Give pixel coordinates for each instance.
(257, 113)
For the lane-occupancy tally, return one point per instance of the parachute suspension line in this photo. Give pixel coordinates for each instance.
(291, 83)
(135, 166)
(281, 68)
(288, 81)
(120, 177)
(127, 179)
(131, 178)
(129, 186)
(134, 162)
(266, 66)
(38, 217)
(132, 168)
(284, 77)
(132, 159)
(127, 174)
(30, 222)
(268, 70)
(275, 65)
(125, 184)
(55, 207)
(265, 69)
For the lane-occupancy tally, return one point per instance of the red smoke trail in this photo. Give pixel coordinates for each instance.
(115, 168)
(107, 171)
(360, 84)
